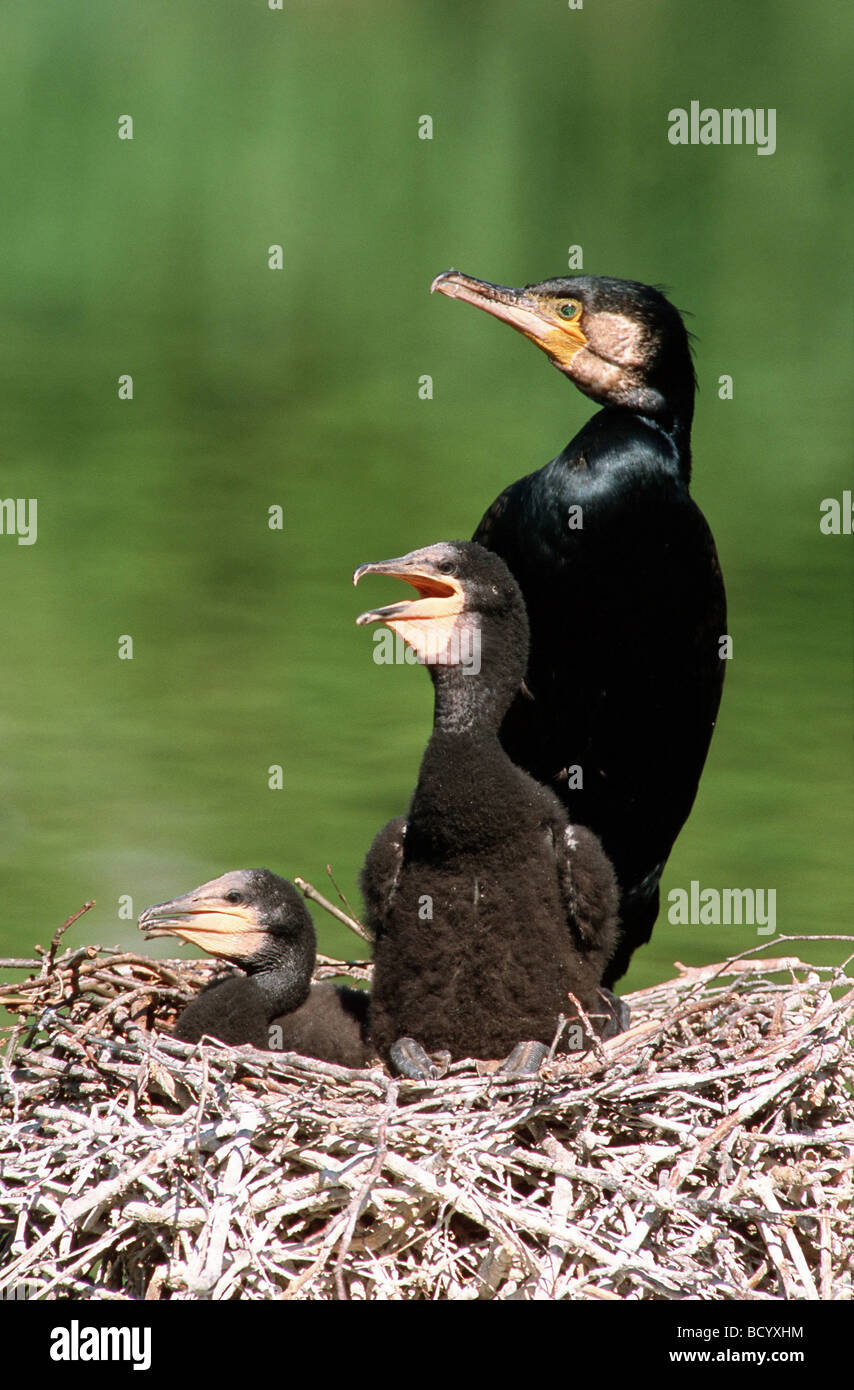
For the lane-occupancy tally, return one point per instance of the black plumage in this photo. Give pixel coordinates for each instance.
(259, 922)
(620, 576)
(488, 908)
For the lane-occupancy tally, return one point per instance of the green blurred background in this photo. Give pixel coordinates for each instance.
(299, 387)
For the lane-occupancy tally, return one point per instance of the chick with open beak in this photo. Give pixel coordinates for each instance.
(487, 913)
(431, 624)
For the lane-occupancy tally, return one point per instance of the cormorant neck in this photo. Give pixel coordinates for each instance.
(473, 697)
(678, 412)
(283, 973)
(674, 432)
(664, 398)
(676, 426)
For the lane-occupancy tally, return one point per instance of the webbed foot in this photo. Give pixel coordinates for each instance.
(620, 1015)
(525, 1059)
(409, 1059)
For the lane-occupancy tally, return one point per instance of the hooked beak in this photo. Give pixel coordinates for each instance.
(532, 314)
(205, 918)
(440, 596)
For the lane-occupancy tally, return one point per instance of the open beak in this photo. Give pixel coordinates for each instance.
(532, 314)
(205, 918)
(440, 596)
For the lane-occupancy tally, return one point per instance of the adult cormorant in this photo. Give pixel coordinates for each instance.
(488, 908)
(260, 922)
(620, 576)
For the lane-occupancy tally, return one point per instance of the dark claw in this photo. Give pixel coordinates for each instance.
(525, 1059)
(620, 1015)
(408, 1058)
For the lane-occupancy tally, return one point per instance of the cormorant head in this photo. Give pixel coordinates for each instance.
(250, 917)
(622, 343)
(469, 609)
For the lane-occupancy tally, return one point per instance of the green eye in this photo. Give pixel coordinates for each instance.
(570, 310)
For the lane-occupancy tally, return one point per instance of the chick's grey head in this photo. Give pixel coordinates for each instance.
(247, 916)
(468, 602)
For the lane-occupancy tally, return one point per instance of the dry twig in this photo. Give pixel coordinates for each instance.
(707, 1153)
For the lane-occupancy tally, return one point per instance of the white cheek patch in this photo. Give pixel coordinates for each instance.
(602, 378)
(619, 339)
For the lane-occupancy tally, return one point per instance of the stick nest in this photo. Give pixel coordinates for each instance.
(705, 1154)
